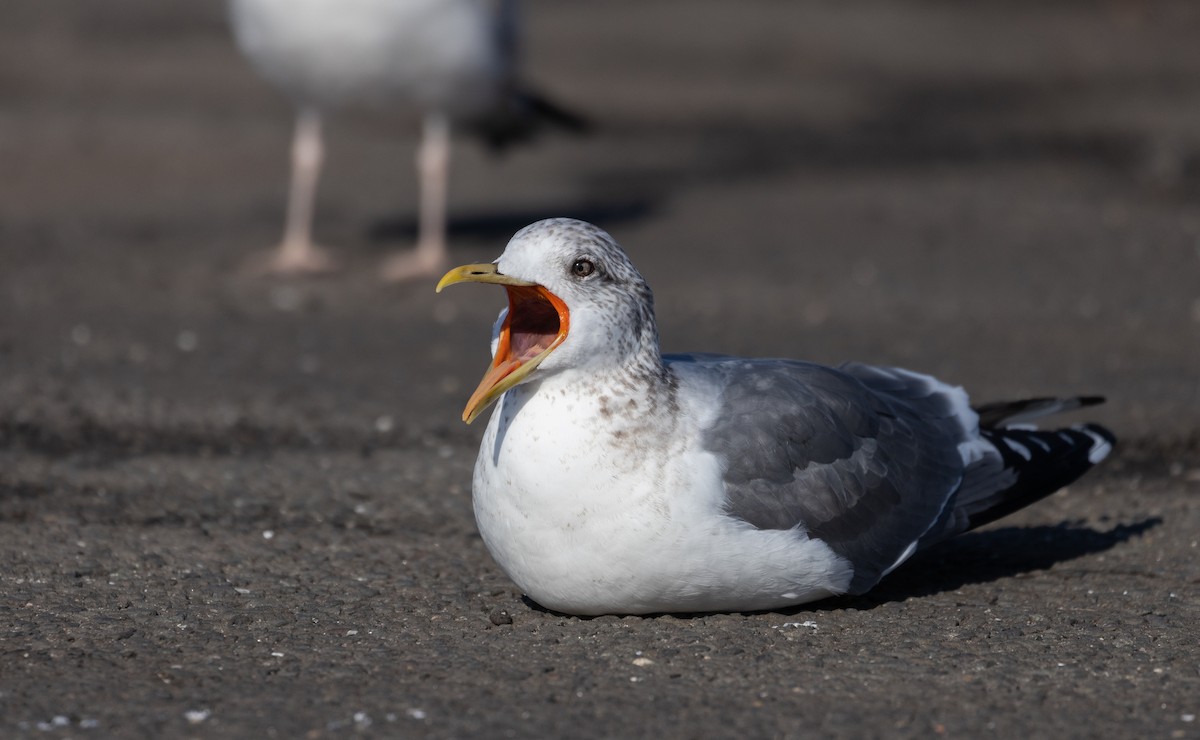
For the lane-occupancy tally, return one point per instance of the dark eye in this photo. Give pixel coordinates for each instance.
(583, 268)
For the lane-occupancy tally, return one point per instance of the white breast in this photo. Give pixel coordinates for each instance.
(435, 54)
(593, 511)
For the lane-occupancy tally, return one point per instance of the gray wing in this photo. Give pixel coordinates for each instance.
(862, 458)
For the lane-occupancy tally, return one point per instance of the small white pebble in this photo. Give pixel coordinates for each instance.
(816, 313)
(416, 713)
(1088, 307)
(351, 633)
(268, 534)
(240, 590)
(1188, 717)
(384, 424)
(287, 298)
(641, 662)
(864, 272)
(807, 623)
(276, 654)
(187, 341)
(362, 719)
(196, 716)
(635, 679)
(60, 720)
(81, 335)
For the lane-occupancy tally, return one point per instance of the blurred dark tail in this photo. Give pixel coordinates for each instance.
(523, 116)
(556, 115)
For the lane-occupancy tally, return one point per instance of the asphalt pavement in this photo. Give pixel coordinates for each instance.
(239, 506)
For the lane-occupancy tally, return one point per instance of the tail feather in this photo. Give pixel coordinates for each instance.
(1007, 413)
(1021, 464)
(555, 114)
(523, 115)
(1043, 462)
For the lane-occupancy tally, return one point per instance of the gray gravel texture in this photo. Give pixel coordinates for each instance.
(240, 507)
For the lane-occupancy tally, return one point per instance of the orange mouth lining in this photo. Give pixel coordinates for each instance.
(537, 322)
(536, 319)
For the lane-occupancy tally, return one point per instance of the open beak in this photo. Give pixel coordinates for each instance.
(536, 324)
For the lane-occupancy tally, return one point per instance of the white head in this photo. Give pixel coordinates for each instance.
(575, 301)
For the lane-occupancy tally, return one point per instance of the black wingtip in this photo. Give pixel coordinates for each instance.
(1106, 441)
(1104, 432)
(1043, 461)
(1003, 413)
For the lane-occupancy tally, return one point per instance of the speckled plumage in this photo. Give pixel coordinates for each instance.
(614, 480)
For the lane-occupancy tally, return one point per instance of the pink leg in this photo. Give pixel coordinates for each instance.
(433, 173)
(297, 252)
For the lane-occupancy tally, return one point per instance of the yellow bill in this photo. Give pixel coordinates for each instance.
(536, 323)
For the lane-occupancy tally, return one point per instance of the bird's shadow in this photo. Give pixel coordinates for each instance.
(974, 557)
(495, 225)
(986, 556)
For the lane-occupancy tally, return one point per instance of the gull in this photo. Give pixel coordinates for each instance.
(613, 479)
(452, 60)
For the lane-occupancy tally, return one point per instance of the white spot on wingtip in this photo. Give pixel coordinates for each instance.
(1017, 447)
(1101, 447)
(1040, 443)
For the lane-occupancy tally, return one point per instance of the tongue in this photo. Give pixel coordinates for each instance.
(527, 345)
(533, 322)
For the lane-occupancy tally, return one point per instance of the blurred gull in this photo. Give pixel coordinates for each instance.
(612, 479)
(452, 60)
